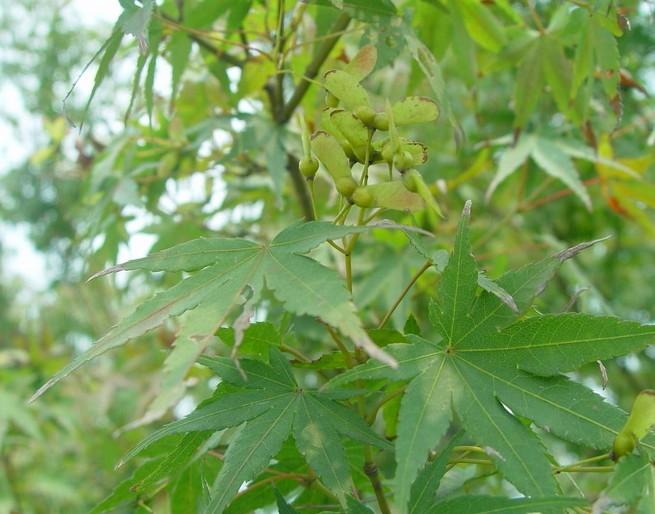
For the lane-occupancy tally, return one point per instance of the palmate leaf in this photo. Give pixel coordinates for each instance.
(227, 269)
(485, 367)
(273, 408)
(549, 156)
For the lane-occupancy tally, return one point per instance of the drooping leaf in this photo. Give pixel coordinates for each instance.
(148, 86)
(110, 51)
(227, 268)
(136, 81)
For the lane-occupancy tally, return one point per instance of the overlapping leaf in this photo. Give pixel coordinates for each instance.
(549, 156)
(228, 268)
(272, 407)
(486, 367)
(633, 483)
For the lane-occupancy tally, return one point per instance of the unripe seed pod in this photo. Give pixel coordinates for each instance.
(362, 197)
(366, 114)
(308, 167)
(404, 160)
(410, 180)
(346, 186)
(388, 152)
(623, 444)
(381, 121)
(331, 100)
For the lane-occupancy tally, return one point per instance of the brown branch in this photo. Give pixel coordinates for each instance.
(220, 54)
(557, 195)
(417, 275)
(371, 471)
(313, 68)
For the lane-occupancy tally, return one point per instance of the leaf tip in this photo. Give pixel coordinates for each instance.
(568, 253)
(466, 212)
(39, 392)
(104, 272)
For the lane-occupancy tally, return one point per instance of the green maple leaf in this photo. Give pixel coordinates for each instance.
(500, 505)
(225, 269)
(487, 366)
(633, 483)
(272, 406)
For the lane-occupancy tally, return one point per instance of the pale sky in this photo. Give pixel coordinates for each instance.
(21, 260)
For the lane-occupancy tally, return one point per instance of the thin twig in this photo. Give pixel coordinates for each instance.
(426, 266)
(220, 54)
(314, 67)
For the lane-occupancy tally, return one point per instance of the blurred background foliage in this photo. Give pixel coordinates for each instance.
(547, 125)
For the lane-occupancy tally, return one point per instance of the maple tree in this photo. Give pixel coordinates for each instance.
(379, 280)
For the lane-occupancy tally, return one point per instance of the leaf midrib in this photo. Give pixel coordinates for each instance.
(502, 434)
(491, 313)
(335, 475)
(553, 345)
(425, 406)
(246, 459)
(530, 393)
(628, 477)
